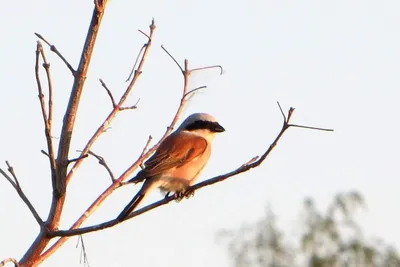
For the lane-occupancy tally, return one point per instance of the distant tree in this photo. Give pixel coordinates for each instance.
(327, 239)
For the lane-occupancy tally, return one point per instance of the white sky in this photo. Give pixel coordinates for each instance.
(336, 62)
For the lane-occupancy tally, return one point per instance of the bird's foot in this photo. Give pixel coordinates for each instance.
(179, 195)
(183, 194)
(189, 193)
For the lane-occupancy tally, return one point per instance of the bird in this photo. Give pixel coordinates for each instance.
(178, 161)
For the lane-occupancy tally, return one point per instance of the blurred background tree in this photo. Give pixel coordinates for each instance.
(326, 239)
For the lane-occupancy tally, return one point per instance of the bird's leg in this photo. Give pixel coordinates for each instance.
(167, 194)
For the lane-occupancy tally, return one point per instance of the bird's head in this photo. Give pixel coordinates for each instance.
(202, 124)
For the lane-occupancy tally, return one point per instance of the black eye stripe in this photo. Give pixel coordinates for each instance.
(200, 124)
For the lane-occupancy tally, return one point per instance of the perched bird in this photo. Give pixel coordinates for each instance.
(179, 159)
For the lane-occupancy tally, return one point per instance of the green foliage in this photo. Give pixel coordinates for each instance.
(327, 239)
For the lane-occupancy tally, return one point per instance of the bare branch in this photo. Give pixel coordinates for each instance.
(108, 92)
(9, 179)
(55, 50)
(15, 183)
(130, 107)
(5, 261)
(45, 153)
(11, 171)
(103, 162)
(47, 118)
(116, 109)
(131, 168)
(145, 34)
(176, 62)
(209, 67)
(311, 128)
(46, 66)
(137, 58)
(283, 114)
(194, 90)
(146, 146)
(253, 163)
(33, 255)
(78, 158)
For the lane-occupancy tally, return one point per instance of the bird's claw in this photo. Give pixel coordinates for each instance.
(183, 194)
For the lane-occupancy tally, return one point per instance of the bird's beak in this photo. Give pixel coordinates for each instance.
(218, 128)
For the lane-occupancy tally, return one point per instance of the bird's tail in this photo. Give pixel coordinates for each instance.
(140, 177)
(131, 205)
(148, 186)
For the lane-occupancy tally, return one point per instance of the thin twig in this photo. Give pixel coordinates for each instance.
(108, 92)
(280, 108)
(103, 163)
(11, 171)
(78, 158)
(137, 59)
(17, 187)
(47, 118)
(145, 150)
(55, 50)
(130, 107)
(46, 66)
(145, 34)
(311, 128)
(194, 90)
(146, 146)
(5, 261)
(45, 153)
(209, 67)
(176, 62)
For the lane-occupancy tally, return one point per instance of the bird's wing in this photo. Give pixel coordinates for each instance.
(174, 152)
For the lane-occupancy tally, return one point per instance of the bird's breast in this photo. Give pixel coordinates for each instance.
(181, 177)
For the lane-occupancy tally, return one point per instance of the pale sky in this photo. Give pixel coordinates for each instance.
(336, 62)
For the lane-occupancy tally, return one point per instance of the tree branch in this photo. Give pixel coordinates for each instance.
(47, 118)
(55, 50)
(253, 163)
(15, 183)
(104, 164)
(117, 107)
(32, 256)
(129, 171)
(108, 92)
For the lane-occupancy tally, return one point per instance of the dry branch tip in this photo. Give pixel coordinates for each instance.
(176, 62)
